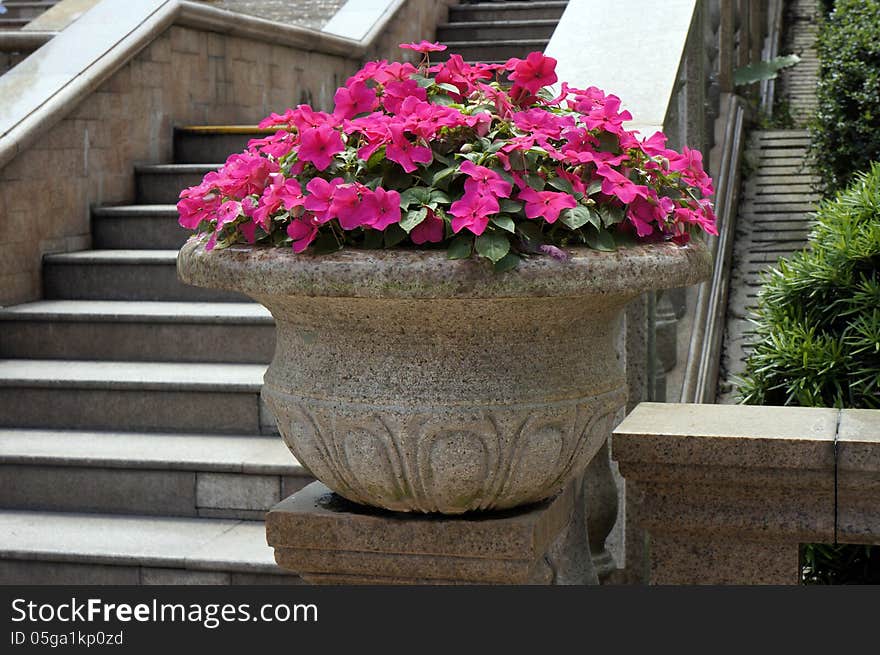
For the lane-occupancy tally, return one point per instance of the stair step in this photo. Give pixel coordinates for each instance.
(139, 396)
(199, 144)
(138, 331)
(162, 183)
(28, 10)
(79, 548)
(122, 275)
(141, 473)
(506, 11)
(501, 49)
(13, 23)
(497, 29)
(136, 227)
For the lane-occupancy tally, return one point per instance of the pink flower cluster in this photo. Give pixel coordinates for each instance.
(481, 154)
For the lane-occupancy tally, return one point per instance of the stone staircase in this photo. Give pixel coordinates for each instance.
(129, 396)
(15, 45)
(134, 447)
(778, 199)
(497, 31)
(18, 13)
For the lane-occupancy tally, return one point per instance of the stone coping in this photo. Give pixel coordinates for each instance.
(429, 274)
(18, 40)
(749, 436)
(360, 20)
(49, 83)
(642, 72)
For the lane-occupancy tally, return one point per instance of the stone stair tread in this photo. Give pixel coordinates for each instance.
(134, 311)
(134, 210)
(499, 23)
(171, 542)
(86, 374)
(176, 168)
(140, 450)
(453, 45)
(113, 256)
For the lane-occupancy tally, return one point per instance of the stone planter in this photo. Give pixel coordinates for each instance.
(410, 382)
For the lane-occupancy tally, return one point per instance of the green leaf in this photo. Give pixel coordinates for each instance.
(422, 81)
(325, 243)
(509, 206)
(448, 87)
(394, 234)
(443, 173)
(460, 247)
(578, 217)
(594, 187)
(437, 196)
(609, 142)
(373, 239)
(763, 70)
(505, 223)
(492, 245)
(507, 263)
(600, 240)
(376, 158)
(535, 181)
(612, 216)
(413, 195)
(531, 231)
(412, 218)
(442, 99)
(561, 184)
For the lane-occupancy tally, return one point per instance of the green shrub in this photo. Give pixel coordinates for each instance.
(818, 316)
(818, 341)
(846, 130)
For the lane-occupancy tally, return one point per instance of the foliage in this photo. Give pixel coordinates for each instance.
(846, 130)
(763, 70)
(818, 340)
(818, 316)
(840, 564)
(475, 158)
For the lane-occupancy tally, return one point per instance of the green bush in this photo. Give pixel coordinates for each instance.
(818, 316)
(818, 340)
(846, 130)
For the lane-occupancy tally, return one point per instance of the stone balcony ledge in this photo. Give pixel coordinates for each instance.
(726, 493)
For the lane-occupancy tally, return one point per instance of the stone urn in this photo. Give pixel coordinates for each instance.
(410, 382)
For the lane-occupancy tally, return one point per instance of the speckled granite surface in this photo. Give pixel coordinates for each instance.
(307, 13)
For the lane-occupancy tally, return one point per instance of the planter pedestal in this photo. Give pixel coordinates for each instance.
(329, 540)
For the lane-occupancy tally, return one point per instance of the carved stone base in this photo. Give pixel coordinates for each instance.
(329, 540)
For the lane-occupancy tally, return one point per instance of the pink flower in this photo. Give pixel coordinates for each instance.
(406, 153)
(276, 145)
(620, 186)
(319, 144)
(484, 181)
(320, 197)
(473, 212)
(396, 92)
(424, 47)
(380, 208)
(280, 192)
(357, 98)
(534, 72)
(245, 174)
(303, 232)
(430, 230)
(545, 204)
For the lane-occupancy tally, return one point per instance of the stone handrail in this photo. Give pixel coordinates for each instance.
(101, 51)
(726, 493)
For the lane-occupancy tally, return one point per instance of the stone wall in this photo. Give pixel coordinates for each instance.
(185, 76)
